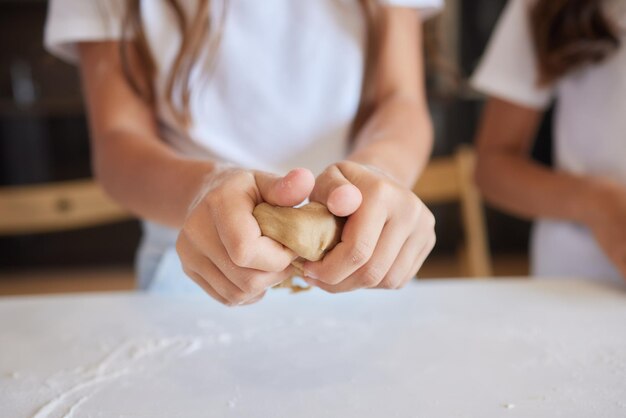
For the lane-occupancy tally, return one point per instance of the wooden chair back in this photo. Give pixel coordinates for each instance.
(451, 179)
(56, 207)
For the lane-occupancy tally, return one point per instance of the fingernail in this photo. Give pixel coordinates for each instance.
(310, 275)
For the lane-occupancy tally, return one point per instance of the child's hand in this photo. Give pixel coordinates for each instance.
(220, 245)
(387, 237)
(607, 221)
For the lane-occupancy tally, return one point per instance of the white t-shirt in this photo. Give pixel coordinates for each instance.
(589, 128)
(283, 92)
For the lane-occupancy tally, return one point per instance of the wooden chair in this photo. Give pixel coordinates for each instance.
(56, 207)
(451, 179)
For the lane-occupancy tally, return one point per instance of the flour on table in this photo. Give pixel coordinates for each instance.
(224, 338)
(205, 323)
(65, 397)
(131, 357)
(232, 403)
(74, 408)
(299, 321)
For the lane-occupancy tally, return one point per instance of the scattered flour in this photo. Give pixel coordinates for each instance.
(74, 408)
(128, 358)
(61, 399)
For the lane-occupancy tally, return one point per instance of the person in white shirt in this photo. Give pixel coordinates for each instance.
(572, 52)
(199, 110)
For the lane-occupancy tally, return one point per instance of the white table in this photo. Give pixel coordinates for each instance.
(435, 349)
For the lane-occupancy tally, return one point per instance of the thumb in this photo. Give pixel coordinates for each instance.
(289, 190)
(333, 189)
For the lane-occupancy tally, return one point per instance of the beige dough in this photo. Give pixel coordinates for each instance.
(309, 231)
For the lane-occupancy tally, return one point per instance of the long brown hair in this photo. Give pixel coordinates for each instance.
(194, 34)
(569, 34)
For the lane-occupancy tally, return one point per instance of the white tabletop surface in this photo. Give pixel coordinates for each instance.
(435, 349)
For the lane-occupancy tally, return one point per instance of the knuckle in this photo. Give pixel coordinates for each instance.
(399, 284)
(381, 189)
(360, 252)
(429, 245)
(244, 176)
(329, 172)
(240, 254)
(413, 213)
(429, 218)
(331, 289)
(237, 180)
(248, 287)
(214, 198)
(432, 243)
(188, 272)
(226, 302)
(415, 204)
(180, 245)
(252, 285)
(372, 275)
(237, 297)
(210, 200)
(253, 300)
(278, 266)
(342, 166)
(388, 283)
(332, 280)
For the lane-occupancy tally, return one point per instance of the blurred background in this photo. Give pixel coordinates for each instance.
(44, 139)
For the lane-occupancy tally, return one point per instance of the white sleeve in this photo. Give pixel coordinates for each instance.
(508, 69)
(72, 21)
(427, 8)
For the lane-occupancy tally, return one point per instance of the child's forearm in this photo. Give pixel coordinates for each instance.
(397, 139)
(518, 185)
(148, 178)
(129, 159)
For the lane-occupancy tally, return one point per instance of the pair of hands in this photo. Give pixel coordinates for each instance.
(387, 236)
(607, 220)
